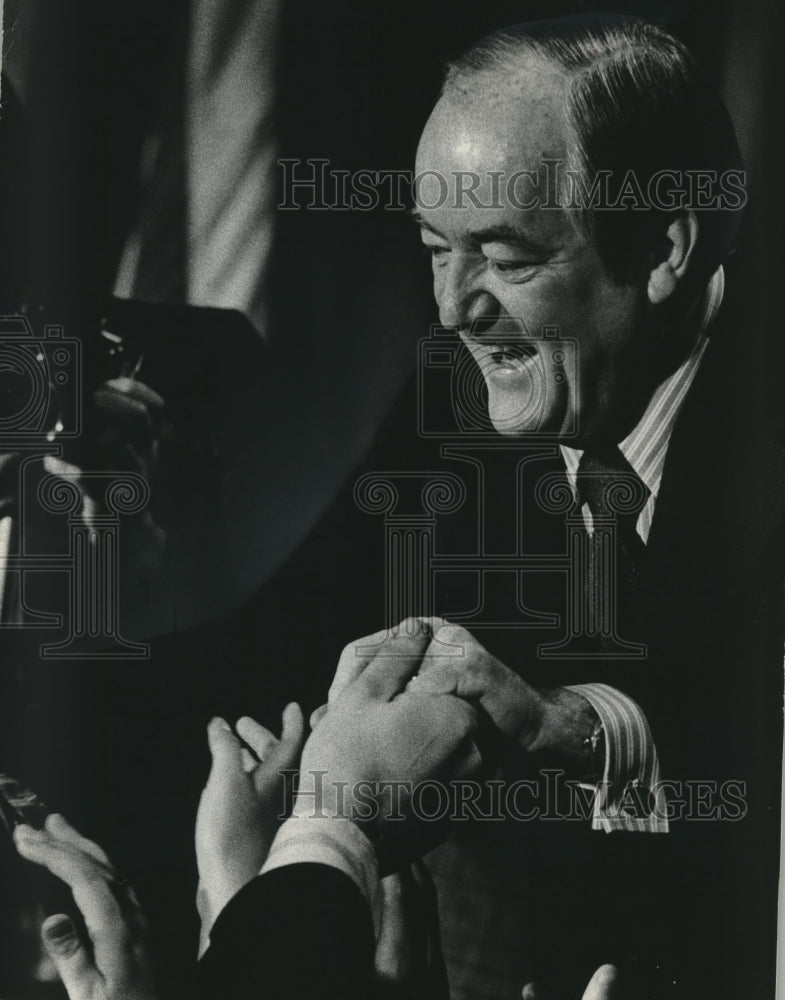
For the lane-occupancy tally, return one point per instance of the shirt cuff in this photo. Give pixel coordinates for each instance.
(629, 797)
(336, 842)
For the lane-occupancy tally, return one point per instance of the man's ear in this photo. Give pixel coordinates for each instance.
(679, 245)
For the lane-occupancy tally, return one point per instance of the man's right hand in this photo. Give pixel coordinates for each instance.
(375, 733)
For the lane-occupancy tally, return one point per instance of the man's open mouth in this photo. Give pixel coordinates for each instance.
(513, 355)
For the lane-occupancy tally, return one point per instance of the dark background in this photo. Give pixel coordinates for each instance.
(119, 747)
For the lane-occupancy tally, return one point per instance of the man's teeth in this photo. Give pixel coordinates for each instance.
(511, 352)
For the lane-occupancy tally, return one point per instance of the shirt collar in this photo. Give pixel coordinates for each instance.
(645, 446)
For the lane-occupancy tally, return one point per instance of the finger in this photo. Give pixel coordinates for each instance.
(123, 408)
(398, 660)
(258, 738)
(59, 827)
(434, 623)
(450, 650)
(59, 467)
(317, 715)
(456, 663)
(71, 958)
(289, 749)
(443, 678)
(44, 849)
(533, 991)
(357, 655)
(604, 984)
(354, 659)
(134, 389)
(292, 724)
(249, 761)
(94, 887)
(445, 662)
(224, 747)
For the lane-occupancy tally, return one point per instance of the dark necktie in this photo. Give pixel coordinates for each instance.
(615, 495)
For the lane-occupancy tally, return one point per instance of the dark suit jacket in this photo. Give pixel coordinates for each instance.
(302, 931)
(693, 911)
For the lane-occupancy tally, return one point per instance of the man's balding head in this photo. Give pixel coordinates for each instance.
(514, 255)
(634, 102)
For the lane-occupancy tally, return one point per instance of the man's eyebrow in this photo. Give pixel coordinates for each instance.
(501, 233)
(506, 233)
(421, 221)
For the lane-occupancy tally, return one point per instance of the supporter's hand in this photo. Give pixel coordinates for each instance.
(240, 808)
(453, 663)
(116, 963)
(603, 985)
(376, 734)
(128, 417)
(130, 414)
(409, 964)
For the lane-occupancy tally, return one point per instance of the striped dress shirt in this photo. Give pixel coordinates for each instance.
(631, 754)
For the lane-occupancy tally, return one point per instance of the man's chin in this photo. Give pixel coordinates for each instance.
(531, 413)
(518, 424)
(511, 428)
(511, 421)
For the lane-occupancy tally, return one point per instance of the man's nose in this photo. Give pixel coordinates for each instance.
(462, 298)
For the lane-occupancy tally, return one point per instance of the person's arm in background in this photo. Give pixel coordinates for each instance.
(115, 963)
(241, 807)
(308, 924)
(298, 928)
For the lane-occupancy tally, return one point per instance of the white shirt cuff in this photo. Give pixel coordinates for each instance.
(629, 797)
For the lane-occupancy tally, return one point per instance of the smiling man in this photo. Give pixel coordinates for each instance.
(579, 174)
(507, 119)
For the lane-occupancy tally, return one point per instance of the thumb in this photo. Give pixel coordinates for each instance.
(604, 984)
(317, 715)
(71, 958)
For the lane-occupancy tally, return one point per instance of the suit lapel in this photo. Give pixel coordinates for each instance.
(721, 496)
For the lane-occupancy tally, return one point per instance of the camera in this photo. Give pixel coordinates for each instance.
(40, 383)
(452, 396)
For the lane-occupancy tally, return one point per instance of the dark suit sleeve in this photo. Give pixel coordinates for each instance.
(300, 931)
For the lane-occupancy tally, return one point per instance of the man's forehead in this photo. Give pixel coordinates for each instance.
(507, 123)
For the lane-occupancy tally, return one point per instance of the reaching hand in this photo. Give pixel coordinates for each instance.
(453, 662)
(116, 963)
(130, 415)
(376, 735)
(241, 805)
(456, 663)
(128, 419)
